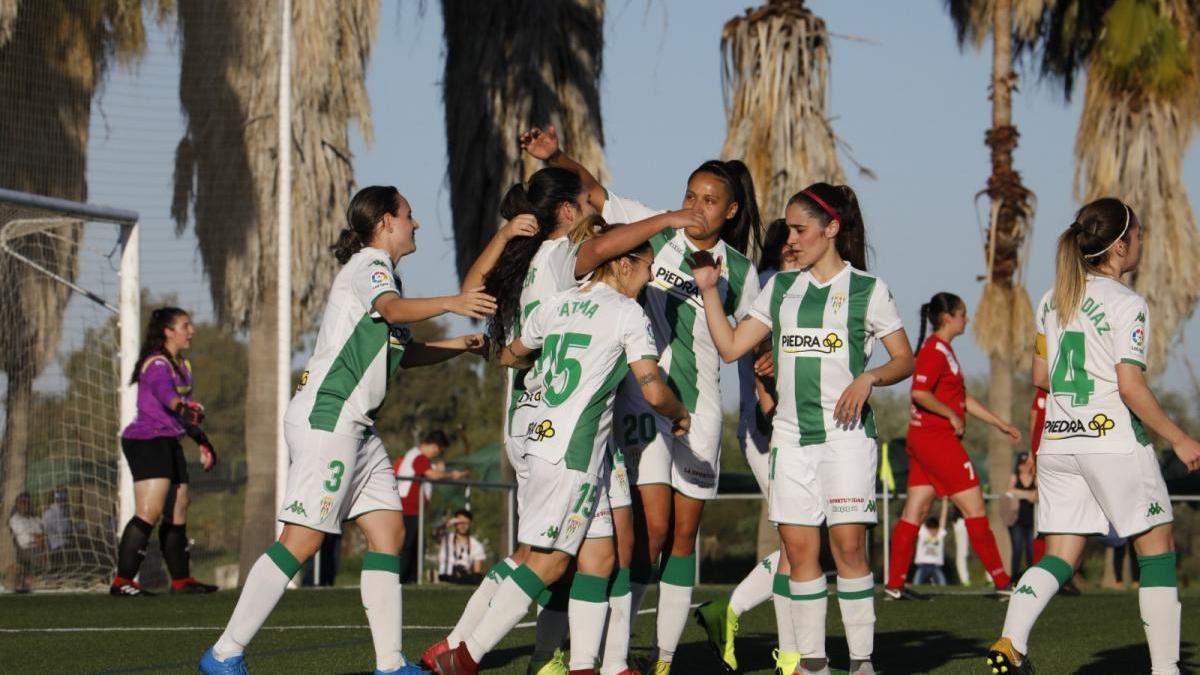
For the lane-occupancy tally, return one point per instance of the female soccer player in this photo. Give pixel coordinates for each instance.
(339, 467)
(823, 321)
(719, 618)
(1096, 465)
(588, 338)
(675, 476)
(938, 463)
(165, 412)
(540, 259)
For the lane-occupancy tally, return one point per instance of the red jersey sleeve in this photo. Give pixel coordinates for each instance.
(420, 465)
(929, 367)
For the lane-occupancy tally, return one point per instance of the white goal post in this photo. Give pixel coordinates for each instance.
(69, 271)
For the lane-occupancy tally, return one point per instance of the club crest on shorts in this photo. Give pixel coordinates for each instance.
(326, 505)
(573, 523)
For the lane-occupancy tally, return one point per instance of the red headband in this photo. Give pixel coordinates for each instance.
(821, 202)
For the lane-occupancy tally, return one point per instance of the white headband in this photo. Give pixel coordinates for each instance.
(1114, 241)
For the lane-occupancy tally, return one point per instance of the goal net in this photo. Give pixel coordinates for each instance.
(68, 288)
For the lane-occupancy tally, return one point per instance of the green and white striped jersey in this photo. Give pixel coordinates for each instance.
(346, 378)
(676, 308)
(1085, 413)
(822, 336)
(588, 338)
(551, 271)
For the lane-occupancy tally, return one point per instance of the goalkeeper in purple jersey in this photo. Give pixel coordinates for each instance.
(152, 448)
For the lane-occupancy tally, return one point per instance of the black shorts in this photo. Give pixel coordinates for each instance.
(160, 457)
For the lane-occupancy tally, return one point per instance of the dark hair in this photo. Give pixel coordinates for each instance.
(463, 512)
(931, 522)
(155, 340)
(541, 196)
(851, 239)
(436, 437)
(745, 225)
(770, 257)
(1021, 457)
(367, 207)
(932, 312)
(1086, 244)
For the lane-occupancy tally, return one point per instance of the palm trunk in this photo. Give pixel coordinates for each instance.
(262, 415)
(16, 439)
(999, 449)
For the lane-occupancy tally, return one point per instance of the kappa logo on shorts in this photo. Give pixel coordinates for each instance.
(326, 505)
(551, 532)
(811, 341)
(1097, 427)
(1154, 510)
(541, 430)
(297, 508)
(870, 506)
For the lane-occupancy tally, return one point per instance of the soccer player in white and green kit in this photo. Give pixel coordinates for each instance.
(1096, 465)
(587, 339)
(339, 468)
(823, 320)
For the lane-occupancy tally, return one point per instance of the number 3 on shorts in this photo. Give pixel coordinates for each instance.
(335, 480)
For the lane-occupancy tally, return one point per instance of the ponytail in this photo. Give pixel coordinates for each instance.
(770, 257)
(745, 227)
(546, 190)
(932, 312)
(1085, 245)
(155, 340)
(828, 203)
(368, 206)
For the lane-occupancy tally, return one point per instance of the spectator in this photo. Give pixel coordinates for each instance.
(961, 548)
(56, 523)
(460, 555)
(931, 551)
(1022, 489)
(418, 463)
(30, 539)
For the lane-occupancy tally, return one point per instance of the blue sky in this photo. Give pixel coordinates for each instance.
(913, 107)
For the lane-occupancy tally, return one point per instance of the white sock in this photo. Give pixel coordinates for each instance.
(509, 606)
(755, 589)
(674, 603)
(479, 601)
(382, 600)
(856, 599)
(586, 614)
(810, 602)
(1033, 592)
(782, 596)
(1160, 610)
(620, 623)
(264, 586)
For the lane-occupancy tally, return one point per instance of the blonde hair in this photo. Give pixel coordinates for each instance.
(1084, 246)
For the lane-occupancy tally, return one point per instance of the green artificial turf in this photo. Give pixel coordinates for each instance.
(324, 631)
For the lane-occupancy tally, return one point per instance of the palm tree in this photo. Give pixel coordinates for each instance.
(225, 173)
(53, 56)
(776, 79)
(539, 64)
(1005, 315)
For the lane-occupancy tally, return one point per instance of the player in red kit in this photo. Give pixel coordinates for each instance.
(938, 463)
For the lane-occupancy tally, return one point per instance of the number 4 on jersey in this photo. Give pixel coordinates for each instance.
(1069, 374)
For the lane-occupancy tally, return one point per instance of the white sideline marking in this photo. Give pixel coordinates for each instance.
(176, 629)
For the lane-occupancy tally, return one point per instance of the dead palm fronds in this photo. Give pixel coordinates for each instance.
(512, 64)
(53, 57)
(776, 81)
(226, 175)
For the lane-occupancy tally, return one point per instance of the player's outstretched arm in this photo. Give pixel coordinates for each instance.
(617, 241)
(524, 225)
(418, 354)
(659, 395)
(980, 411)
(472, 303)
(543, 144)
(1141, 401)
(732, 343)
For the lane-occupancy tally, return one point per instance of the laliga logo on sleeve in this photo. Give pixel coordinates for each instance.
(380, 278)
(1137, 340)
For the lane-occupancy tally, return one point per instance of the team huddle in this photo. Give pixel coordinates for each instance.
(613, 320)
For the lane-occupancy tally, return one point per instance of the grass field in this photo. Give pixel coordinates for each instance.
(324, 631)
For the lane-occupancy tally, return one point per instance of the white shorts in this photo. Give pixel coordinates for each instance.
(514, 448)
(691, 464)
(830, 483)
(1082, 494)
(620, 492)
(559, 505)
(333, 478)
(759, 460)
